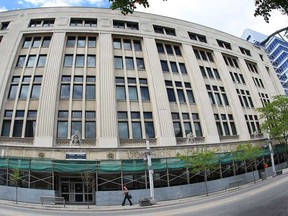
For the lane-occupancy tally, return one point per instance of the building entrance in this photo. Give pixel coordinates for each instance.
(74, 190)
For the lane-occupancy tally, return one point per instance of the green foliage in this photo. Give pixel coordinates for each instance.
(128, 6)
(265, 7)
(275, 116)
(246, 152)
(16, 177)
(201, 161)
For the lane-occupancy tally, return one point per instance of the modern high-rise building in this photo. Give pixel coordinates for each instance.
(277, 51)
(85, 89)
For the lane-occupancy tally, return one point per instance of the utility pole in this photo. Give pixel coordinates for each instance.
(271, 153)
(151, 181)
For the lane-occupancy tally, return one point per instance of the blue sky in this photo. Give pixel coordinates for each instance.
(230, 16)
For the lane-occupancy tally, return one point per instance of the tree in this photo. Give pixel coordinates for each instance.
(16, 180)
(275, 116)
(247, 153)
(88, 179)
(204, 161)
(128, 6)
(265, 7)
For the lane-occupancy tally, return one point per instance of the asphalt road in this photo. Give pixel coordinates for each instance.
(267, 198)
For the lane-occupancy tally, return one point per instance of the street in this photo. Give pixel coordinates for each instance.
(266, 198)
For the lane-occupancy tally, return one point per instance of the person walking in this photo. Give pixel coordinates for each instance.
(126, 196)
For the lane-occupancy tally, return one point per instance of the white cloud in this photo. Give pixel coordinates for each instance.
(225, 15)
(3, 9)
(56, 3)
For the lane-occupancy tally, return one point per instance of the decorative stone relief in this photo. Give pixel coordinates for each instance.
(182, 33)
(146, 27)
(106, 23)
(62, 21)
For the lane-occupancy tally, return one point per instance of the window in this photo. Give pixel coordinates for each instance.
(41, 61)
(27, 42)
(21, 60)
(245, 98)
(83, 22)
(4, 25)
(140, 63)
(81, 42)
(230, 61)
(164, 66)
(120, 93)
(35, 91)
(197, 37)
(125, 25)
(182, 68)
(123, 130)
(252, 67)
(117, 43)
(91, 61)
(41, 22)
(252, 123)
(65, 91)
(6, 128)
(174, 67)
(217, 95)
(204, 55)
(31, 61)
(68, 61)
(79, 61)
(62, 129)
(129, 62)
(164, 30)
(118, 63)
(245, 51)
(224, 44)
(133, 93)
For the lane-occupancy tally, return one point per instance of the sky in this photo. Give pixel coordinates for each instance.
(230, 16)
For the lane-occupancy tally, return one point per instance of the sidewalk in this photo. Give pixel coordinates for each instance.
(84, 207)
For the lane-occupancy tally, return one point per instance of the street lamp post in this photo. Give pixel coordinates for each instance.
(271, 153)
(151, 181)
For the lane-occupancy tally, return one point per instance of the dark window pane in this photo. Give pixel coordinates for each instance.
(174, 67)
(90, 92)
(41, 61)
(76, 126)
(129, 63)
(177, 129)
(68, 61)
(92, 42)
(118, 63)
(169, 49)
(77, 91)
(90, 114)
(164, 66)
(62, 129)
(123, 130)
(13, 91)
(27, 42)
(137, 45)
(20, 62)
(140, 63)
(35, 91)
(65, 91)
(183, 68)
(6, 128)
(122, 115)
(90, 129)
(81, 42)
(136, 130)
(181, 96)
(71, 41)
(190, 96)
(91, 61)
(117, 43)
(127, 45)
(76, 114)
(133, 93)
(24, 91)
(171, 95)
(160, 47)
(120, 93)
(79, 61)
(30, 128)
(17, 131)
(149, 128)
(46, 42)
(145, 93)
(197, 127)
(36, 42)
(63, 114)
(31, 61)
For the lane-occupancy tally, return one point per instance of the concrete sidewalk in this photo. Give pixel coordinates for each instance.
(84, 207)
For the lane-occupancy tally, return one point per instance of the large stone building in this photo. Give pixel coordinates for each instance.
(93, 85)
